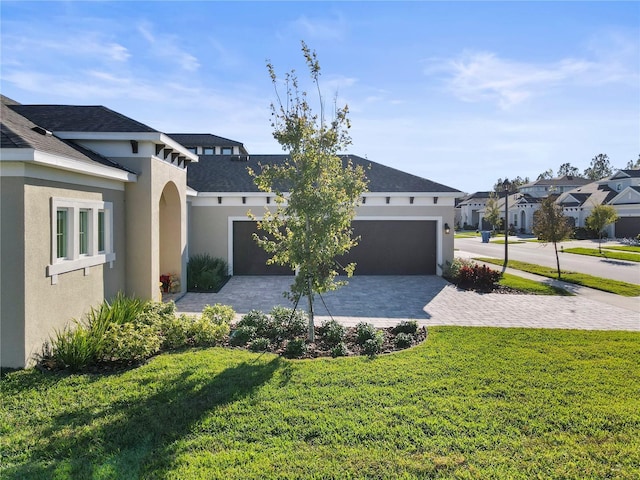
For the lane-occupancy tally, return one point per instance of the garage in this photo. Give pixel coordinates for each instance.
(386, 247)
(627, 227)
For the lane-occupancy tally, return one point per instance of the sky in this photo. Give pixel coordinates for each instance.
(461, 93)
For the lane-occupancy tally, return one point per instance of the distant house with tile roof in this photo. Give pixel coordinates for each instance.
(94, 202)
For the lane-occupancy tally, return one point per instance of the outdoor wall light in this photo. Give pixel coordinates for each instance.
(447, 229)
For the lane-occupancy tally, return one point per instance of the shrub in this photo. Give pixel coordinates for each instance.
(406, 326)
(257, 319)
(403, 340)
(372, 346)
(339, 350)
(332, 333)
(130, 341)
(242, 335)
(365, 331)
(173, 331)
(260, 344)
(212, 326)
(205, 273)
(295, 348)
(452, 269)
(479, 277)
(287, 323)
(74, 348)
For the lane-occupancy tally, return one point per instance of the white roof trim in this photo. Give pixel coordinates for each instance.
(155, 137)
(634, 193)
(31, 155)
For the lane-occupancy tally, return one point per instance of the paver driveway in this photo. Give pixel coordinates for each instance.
(387, 300)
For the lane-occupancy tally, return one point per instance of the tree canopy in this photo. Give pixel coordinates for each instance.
(599, 168)
(599, 218)
(551, 225)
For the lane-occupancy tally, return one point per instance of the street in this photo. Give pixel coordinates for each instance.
(541, 254)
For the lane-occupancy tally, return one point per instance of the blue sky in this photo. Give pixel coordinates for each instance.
(458, 92)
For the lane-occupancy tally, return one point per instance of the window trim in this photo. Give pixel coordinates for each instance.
(74, 260)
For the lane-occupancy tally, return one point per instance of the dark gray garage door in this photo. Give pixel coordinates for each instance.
(386, 247)
(248, 257)
(628, 227)
(394, 247)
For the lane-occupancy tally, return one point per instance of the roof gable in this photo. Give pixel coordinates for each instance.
(630, 195)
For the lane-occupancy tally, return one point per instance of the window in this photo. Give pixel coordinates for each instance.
(61, 233)
(209, 151)
(81, 235)
(193, 149)
(83, 232)
(101, 231)
(227, 150)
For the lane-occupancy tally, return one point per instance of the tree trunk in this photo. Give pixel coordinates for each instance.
(555, 245)
(312, 332)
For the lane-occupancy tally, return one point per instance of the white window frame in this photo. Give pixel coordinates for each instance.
(74, 260)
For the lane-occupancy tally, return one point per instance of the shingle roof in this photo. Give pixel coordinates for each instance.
(78, 118)
(222, 174)
(203, 140)
(18, 131)
(567, 180)
(592, 193)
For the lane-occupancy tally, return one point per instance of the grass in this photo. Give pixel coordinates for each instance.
(615, 255)
(466, 234)
(604, 284)
(501, 241)
(624, 248)
(468, 403)
(531, 286)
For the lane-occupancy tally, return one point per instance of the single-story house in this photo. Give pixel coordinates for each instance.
(94, 202)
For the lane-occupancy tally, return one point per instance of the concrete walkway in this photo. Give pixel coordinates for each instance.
(387, 300)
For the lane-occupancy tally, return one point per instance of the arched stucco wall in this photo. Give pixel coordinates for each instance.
(170, 221)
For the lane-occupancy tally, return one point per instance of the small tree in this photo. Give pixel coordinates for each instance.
(514, 184)
(551, 225)
(599, 218)
(491, 210)
(546, 175)
(310, 226)
(633, 165)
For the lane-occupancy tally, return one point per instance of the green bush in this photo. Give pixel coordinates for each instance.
(403, 340)
(212, 326)
(130, 341)
(373, 346)
(257, 319)
(74, 348)
(260, 345)
(406, 326)
(173, 331)
(452, 269)
(332, 333)
(340, 350)
(365, 331)
(295, 348)
(205, 273)
(287, 323)
(242, 335)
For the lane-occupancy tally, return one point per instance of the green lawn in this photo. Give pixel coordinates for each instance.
(624, 248)
(468, 403)
(615, 255)
(466, 234)
(604, 284)
(531, 286)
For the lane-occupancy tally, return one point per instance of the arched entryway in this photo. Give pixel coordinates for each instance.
(170, 231)
(523, 221)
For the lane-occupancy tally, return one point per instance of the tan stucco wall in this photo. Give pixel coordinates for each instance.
(209, 225)
(143, 225)
(12, 347)
(46, 306)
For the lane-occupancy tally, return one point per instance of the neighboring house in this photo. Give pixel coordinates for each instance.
(401, 221)
(621, 191)
(468, 209)
(523, 204)
(92, 203)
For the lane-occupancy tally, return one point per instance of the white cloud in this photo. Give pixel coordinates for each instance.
(328, 28)
(166, 47)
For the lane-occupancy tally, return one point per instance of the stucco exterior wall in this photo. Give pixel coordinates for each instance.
(144, 239)
(12, 295)
(44, 305)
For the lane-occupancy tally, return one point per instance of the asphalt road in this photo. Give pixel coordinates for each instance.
(540, 254)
